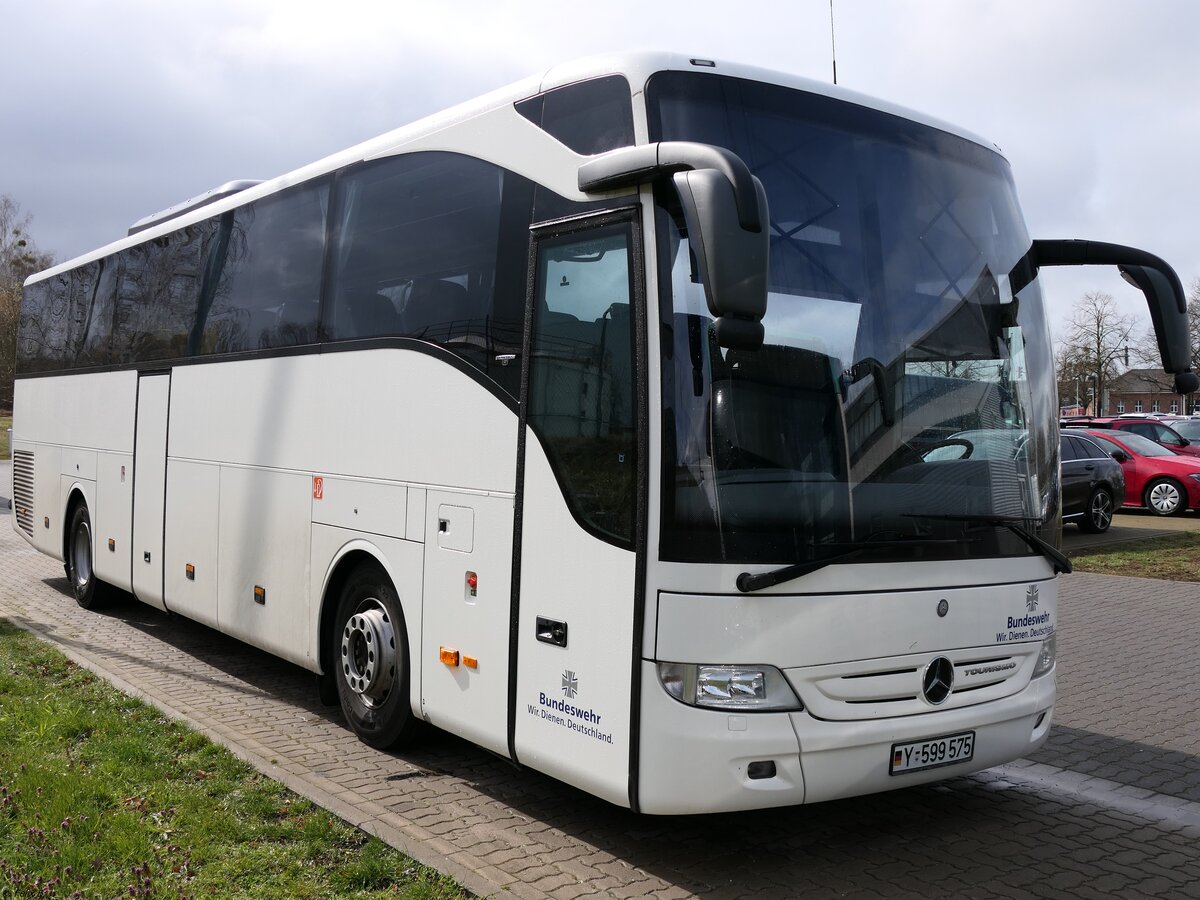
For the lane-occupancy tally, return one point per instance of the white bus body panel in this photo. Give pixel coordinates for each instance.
(92, 411)
(855, 660)
(695, 760)
(112, 519)
(48, 511)
(193, 511)
(79, 427)
(790, 631)
(247, 439)
(371, 507)
(369, 414)
(150, 487)
(466, 534)
(263, 543)
(569, 576)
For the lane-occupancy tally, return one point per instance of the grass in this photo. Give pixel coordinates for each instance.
(102, 796)
(1175, 558)
(5, 424)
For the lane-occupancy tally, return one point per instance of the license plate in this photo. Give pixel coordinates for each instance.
(932, 752)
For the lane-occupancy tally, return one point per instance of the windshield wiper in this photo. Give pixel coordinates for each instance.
(1058, 561)
(747, 583)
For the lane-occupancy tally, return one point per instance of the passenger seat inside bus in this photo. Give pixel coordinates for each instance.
(366, 314)
(439, 310)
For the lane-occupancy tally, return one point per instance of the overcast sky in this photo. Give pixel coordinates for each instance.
(112, 110)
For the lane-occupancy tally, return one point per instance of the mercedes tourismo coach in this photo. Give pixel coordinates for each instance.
(626, 422)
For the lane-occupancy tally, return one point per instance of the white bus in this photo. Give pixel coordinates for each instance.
(623, 422)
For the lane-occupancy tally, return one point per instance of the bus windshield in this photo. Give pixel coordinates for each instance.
(903, 396)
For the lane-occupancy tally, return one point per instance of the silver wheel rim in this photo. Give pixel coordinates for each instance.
(1101, 510)
(1164, 497)
(81, 556)
(369, 653)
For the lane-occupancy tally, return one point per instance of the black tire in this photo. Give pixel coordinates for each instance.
(1098, 515)
(369, 653)
(1165, 497)
(78, 562)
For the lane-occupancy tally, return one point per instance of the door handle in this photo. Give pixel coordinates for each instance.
(550, 631)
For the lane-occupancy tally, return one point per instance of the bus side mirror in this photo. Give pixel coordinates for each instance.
(1168, 312)
(731, 260)
(725, 209)
(1149, 274)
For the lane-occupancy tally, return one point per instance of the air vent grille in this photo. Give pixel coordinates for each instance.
(23, 489)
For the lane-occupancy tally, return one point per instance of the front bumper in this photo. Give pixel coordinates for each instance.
(696, 761)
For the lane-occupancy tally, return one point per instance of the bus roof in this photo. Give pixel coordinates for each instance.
(637, 67)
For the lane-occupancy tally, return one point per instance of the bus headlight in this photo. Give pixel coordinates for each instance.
(1046, 656)
(740, 688)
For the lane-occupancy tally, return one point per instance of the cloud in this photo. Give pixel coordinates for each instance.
(121, 108)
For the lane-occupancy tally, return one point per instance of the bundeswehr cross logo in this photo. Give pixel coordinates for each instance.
(570, 685)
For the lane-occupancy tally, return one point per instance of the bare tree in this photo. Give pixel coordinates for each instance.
(19, 258)
(1076, 379)
(1096, 344)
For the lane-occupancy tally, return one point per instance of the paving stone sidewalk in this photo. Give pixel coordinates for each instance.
(509, 833)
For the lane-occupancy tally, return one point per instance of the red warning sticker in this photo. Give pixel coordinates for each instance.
(318, 487)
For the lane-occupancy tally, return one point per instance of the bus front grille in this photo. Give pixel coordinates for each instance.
(878, 689)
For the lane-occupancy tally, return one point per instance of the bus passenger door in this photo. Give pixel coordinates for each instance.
(150, 487)
(579, 528)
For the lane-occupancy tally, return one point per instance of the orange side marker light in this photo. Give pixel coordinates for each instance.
(448, 656)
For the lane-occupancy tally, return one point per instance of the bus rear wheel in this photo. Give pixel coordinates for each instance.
(370, 664)
(90, 592)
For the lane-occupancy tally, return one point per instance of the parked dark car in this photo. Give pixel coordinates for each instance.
(1093, 483)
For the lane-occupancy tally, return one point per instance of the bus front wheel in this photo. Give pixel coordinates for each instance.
(370, 660)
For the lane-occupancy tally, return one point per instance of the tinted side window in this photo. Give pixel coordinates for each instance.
(1067, 446)
(54, 319)
(581, 381)
(589, 117)
(433, 246)
(39, 338)
(267, 283)
(157, 294)
(96, 349)
(1087, 450)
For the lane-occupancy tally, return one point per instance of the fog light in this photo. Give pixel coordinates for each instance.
(761, 769)
(1046, 656)
(744, 688)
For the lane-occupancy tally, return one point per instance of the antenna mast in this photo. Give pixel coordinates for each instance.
(832, 43)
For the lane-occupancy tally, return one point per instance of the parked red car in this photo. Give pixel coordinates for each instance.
(1155, 477)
